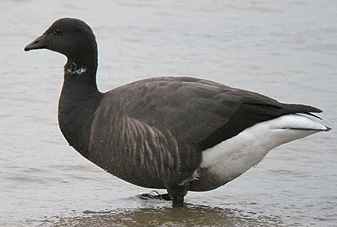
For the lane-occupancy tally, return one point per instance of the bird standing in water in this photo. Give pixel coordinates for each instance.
(175, 133)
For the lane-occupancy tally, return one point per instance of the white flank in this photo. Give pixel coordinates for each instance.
(235, 156)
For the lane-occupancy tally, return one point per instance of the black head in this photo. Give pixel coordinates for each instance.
(71, 37)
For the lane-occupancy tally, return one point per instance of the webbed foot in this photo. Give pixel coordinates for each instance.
(155, 195)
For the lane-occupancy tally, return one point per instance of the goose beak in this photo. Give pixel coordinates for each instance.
(38, 43)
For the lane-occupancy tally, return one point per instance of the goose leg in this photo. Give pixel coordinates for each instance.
(177, 193)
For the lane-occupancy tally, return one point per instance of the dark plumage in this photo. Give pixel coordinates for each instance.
(153, 132)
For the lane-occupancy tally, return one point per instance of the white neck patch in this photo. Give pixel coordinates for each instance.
(75, 69)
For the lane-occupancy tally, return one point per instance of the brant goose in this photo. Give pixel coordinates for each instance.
(176, 133)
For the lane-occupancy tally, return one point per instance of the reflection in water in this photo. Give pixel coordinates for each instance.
(190, 215)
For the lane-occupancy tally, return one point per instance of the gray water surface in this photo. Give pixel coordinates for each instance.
(284, 49)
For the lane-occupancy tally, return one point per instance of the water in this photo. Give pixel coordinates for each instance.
(286, 50)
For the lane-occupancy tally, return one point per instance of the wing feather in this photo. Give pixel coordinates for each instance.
(198, 111)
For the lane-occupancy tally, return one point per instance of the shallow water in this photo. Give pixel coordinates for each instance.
(286, 50)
